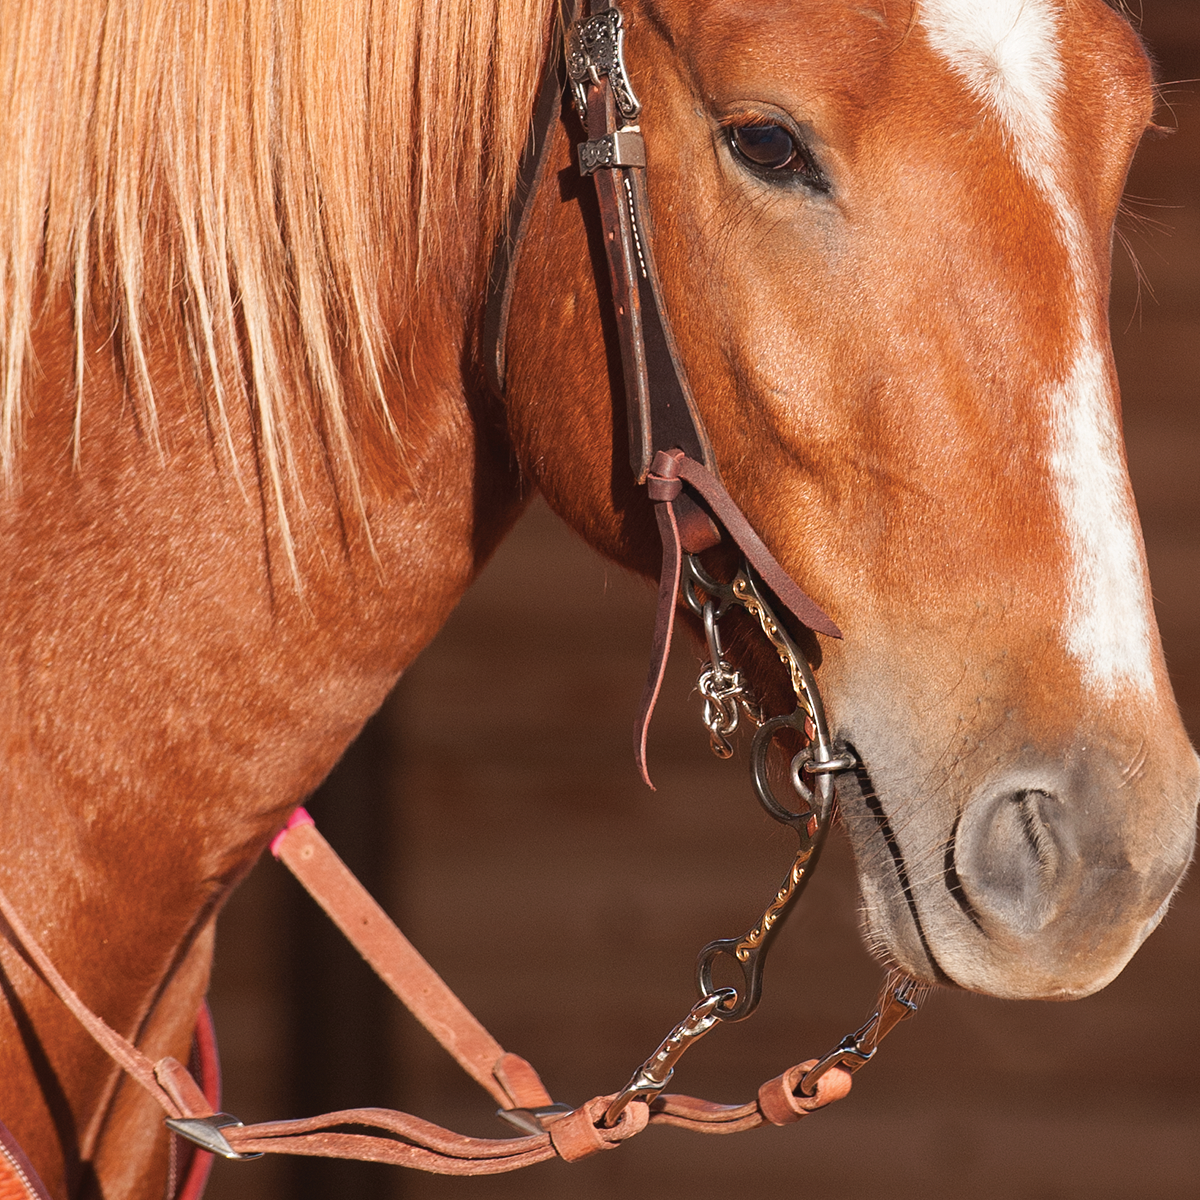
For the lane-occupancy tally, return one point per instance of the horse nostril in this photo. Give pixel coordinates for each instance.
(1009, 859)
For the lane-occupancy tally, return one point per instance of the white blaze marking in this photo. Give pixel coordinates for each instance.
(1006, 51)
(1108, 626)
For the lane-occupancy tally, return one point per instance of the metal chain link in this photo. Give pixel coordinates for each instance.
(726, 694)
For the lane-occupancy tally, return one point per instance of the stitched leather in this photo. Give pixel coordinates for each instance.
(18, 1179)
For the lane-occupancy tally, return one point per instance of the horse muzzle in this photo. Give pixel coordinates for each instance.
(1041, 886)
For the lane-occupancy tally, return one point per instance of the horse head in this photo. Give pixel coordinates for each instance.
(884, 234)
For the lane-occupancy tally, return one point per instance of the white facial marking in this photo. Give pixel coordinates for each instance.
(1006, 51)
(1108, 627)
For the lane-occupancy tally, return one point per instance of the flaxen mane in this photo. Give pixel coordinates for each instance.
(281, 177)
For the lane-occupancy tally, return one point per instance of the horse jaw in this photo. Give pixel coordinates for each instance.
(909, 389)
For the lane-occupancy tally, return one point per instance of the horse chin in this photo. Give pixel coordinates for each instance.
(1018, 895)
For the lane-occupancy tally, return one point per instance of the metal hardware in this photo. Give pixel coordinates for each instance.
(818, 759)
(533, 1120)
(748, 953)
(595, 48)
(726, 694)
(655, 1073)
(624, 148)
(855, 1050)
(206, 1133)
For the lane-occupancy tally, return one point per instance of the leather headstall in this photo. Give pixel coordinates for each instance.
(669, 448)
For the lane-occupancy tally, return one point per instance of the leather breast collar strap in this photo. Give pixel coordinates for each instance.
(382, 1135)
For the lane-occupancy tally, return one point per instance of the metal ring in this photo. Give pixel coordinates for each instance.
(762, 785)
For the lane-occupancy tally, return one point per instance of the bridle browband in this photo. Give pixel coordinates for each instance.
(671, 455)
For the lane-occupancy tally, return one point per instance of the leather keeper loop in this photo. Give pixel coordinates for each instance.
(779, 1103)
(659, 489)
(521, 1082)
(576, 1135)
(666, 463)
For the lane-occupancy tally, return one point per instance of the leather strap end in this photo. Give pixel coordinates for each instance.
(697, 530)
(664, 625)
(779, 1103)
(522, 1083)
(175, 1080)
(577, 1135)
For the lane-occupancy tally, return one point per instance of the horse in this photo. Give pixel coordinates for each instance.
(252, 459)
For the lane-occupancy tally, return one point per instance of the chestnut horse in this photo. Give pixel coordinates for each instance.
(251, 462)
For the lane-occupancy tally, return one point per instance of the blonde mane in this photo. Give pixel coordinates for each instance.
(270, 169)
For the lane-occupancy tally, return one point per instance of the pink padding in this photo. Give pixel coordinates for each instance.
(299, 817)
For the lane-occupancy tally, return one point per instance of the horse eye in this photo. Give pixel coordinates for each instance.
(769, 146)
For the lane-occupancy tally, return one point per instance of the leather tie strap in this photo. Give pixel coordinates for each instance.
(664, 485)
(382, 1135)
(508, 1079)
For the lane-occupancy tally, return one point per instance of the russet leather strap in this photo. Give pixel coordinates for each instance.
(383, 1135)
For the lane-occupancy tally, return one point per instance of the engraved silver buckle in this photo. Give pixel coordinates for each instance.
(595, 48)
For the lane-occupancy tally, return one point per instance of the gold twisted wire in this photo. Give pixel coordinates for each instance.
(756, 608)
(750, 942)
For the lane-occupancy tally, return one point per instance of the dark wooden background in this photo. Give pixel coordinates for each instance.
(493, 808)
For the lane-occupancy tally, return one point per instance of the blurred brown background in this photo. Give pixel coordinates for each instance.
(493, 808)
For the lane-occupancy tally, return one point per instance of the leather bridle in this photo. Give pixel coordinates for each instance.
(671, 455)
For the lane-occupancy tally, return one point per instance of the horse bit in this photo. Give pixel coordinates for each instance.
(663, 413)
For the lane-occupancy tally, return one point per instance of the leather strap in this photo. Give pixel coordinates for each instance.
(398, 963)
(681, 532)
(394, 1137)
(530, 174)
(18, 1179)
(191, 1164)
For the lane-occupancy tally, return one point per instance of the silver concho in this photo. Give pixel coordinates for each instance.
(596, 47)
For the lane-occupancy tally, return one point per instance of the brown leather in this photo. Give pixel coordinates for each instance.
(521, 1082)
(802, 606)
(191, 1165)
(425, 1146)
(578, 1135)
(664, 485)
(18, 1179)
(189, 1097)
(780, 1103)
(703, 1116)
(127, 1056)
(394, 958)
(534, 163)
(401, 1138)
(664, 629)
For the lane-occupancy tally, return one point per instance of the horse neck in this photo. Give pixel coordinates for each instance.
(175, 686)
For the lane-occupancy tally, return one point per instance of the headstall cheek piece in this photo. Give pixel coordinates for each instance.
(670, 453)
